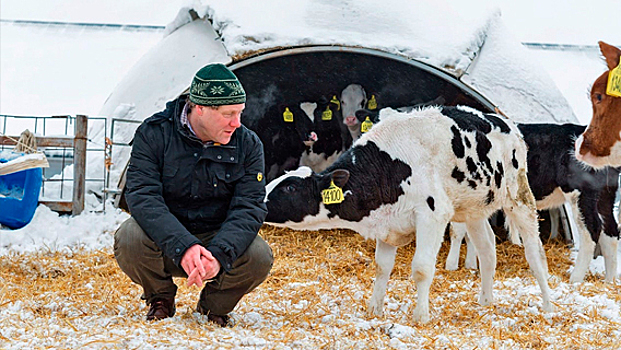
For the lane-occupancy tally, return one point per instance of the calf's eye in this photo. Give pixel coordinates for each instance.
(290, 188)
(598, 97)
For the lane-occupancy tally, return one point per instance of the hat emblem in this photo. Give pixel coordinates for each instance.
(217, 90)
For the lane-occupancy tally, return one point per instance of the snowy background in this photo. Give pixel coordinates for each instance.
(43, 67)
(58, 69)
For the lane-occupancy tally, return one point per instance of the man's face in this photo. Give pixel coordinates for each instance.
(216, 125)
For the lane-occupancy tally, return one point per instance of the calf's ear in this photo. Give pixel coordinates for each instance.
(340, 177)
(611, 54)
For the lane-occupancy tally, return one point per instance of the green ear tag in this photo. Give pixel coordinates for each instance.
(372, 104)
(327, 114)
(366, 125)
(614, 82)
(287, 115)
(332, 194)
(336, 102)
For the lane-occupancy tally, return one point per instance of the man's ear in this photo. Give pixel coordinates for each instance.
(340, 177)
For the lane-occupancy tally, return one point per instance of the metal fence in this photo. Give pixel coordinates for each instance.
(65, 141)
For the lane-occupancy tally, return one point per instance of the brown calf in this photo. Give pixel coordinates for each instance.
(600, 144)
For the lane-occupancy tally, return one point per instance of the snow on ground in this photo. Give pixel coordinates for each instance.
(50, 232)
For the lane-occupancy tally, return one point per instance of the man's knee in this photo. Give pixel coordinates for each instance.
(129, 241)
(260, 257)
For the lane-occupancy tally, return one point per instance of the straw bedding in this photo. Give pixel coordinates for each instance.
(314, 299)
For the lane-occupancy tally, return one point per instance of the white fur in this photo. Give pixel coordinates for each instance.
(309, 109)
(614, 159)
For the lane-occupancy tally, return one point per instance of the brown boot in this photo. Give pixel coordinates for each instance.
(161, 308)
(220, 320)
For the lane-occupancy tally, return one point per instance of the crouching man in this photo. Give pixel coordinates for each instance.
(195, 190)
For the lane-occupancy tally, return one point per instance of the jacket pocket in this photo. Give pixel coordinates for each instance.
(225, 179)
(169, 181)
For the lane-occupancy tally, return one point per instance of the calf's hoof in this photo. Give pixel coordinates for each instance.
(485, 299)
(420, 315)
(375, 308)
(575, 278)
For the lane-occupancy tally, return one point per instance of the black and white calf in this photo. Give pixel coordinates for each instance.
(283, 130)
(353, 98)
(555, 177)
(330, 141)
(406, 179)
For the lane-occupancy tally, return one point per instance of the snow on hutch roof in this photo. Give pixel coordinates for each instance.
(473, 45)
(430, 31)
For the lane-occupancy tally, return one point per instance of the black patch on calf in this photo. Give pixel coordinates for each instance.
(514, 161)
(472, 168)
(458, 175)
(375, 180)
(490, 197)
(504, 128)
(484, 145)
(497, 179)
(458, 146)
(498, 174)
(472, 184)
(467, 121)
(467, 141)
(431, 203)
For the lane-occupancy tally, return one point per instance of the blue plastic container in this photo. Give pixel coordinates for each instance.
(19, 196)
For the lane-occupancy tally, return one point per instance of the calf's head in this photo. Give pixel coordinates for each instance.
(600, 144)
(296, 197)
(353, 98)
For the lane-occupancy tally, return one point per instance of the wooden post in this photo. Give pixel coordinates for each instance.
(79, 164)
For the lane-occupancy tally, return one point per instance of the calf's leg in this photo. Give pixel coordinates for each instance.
(384, 261)
(523, 217)
(458, 232)
(471, 254)
(482, 236)
(609, 250)
(588, 222)
(429, 234)
(609, 239)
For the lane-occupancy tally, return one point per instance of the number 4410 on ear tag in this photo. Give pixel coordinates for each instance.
(332, 194)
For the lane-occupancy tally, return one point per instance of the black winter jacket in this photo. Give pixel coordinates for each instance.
(177, 187)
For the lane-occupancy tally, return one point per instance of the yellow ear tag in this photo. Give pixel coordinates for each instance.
(372, 104)
(332, 194)
(287, 115)
(336, 102)
(327, 114)
(366, 125)
(614, 82)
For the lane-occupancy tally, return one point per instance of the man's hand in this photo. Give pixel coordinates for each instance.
(199, 264)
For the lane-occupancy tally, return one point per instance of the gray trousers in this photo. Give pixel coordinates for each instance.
(145, 264)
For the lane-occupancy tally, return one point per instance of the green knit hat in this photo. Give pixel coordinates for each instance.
(216, 85)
